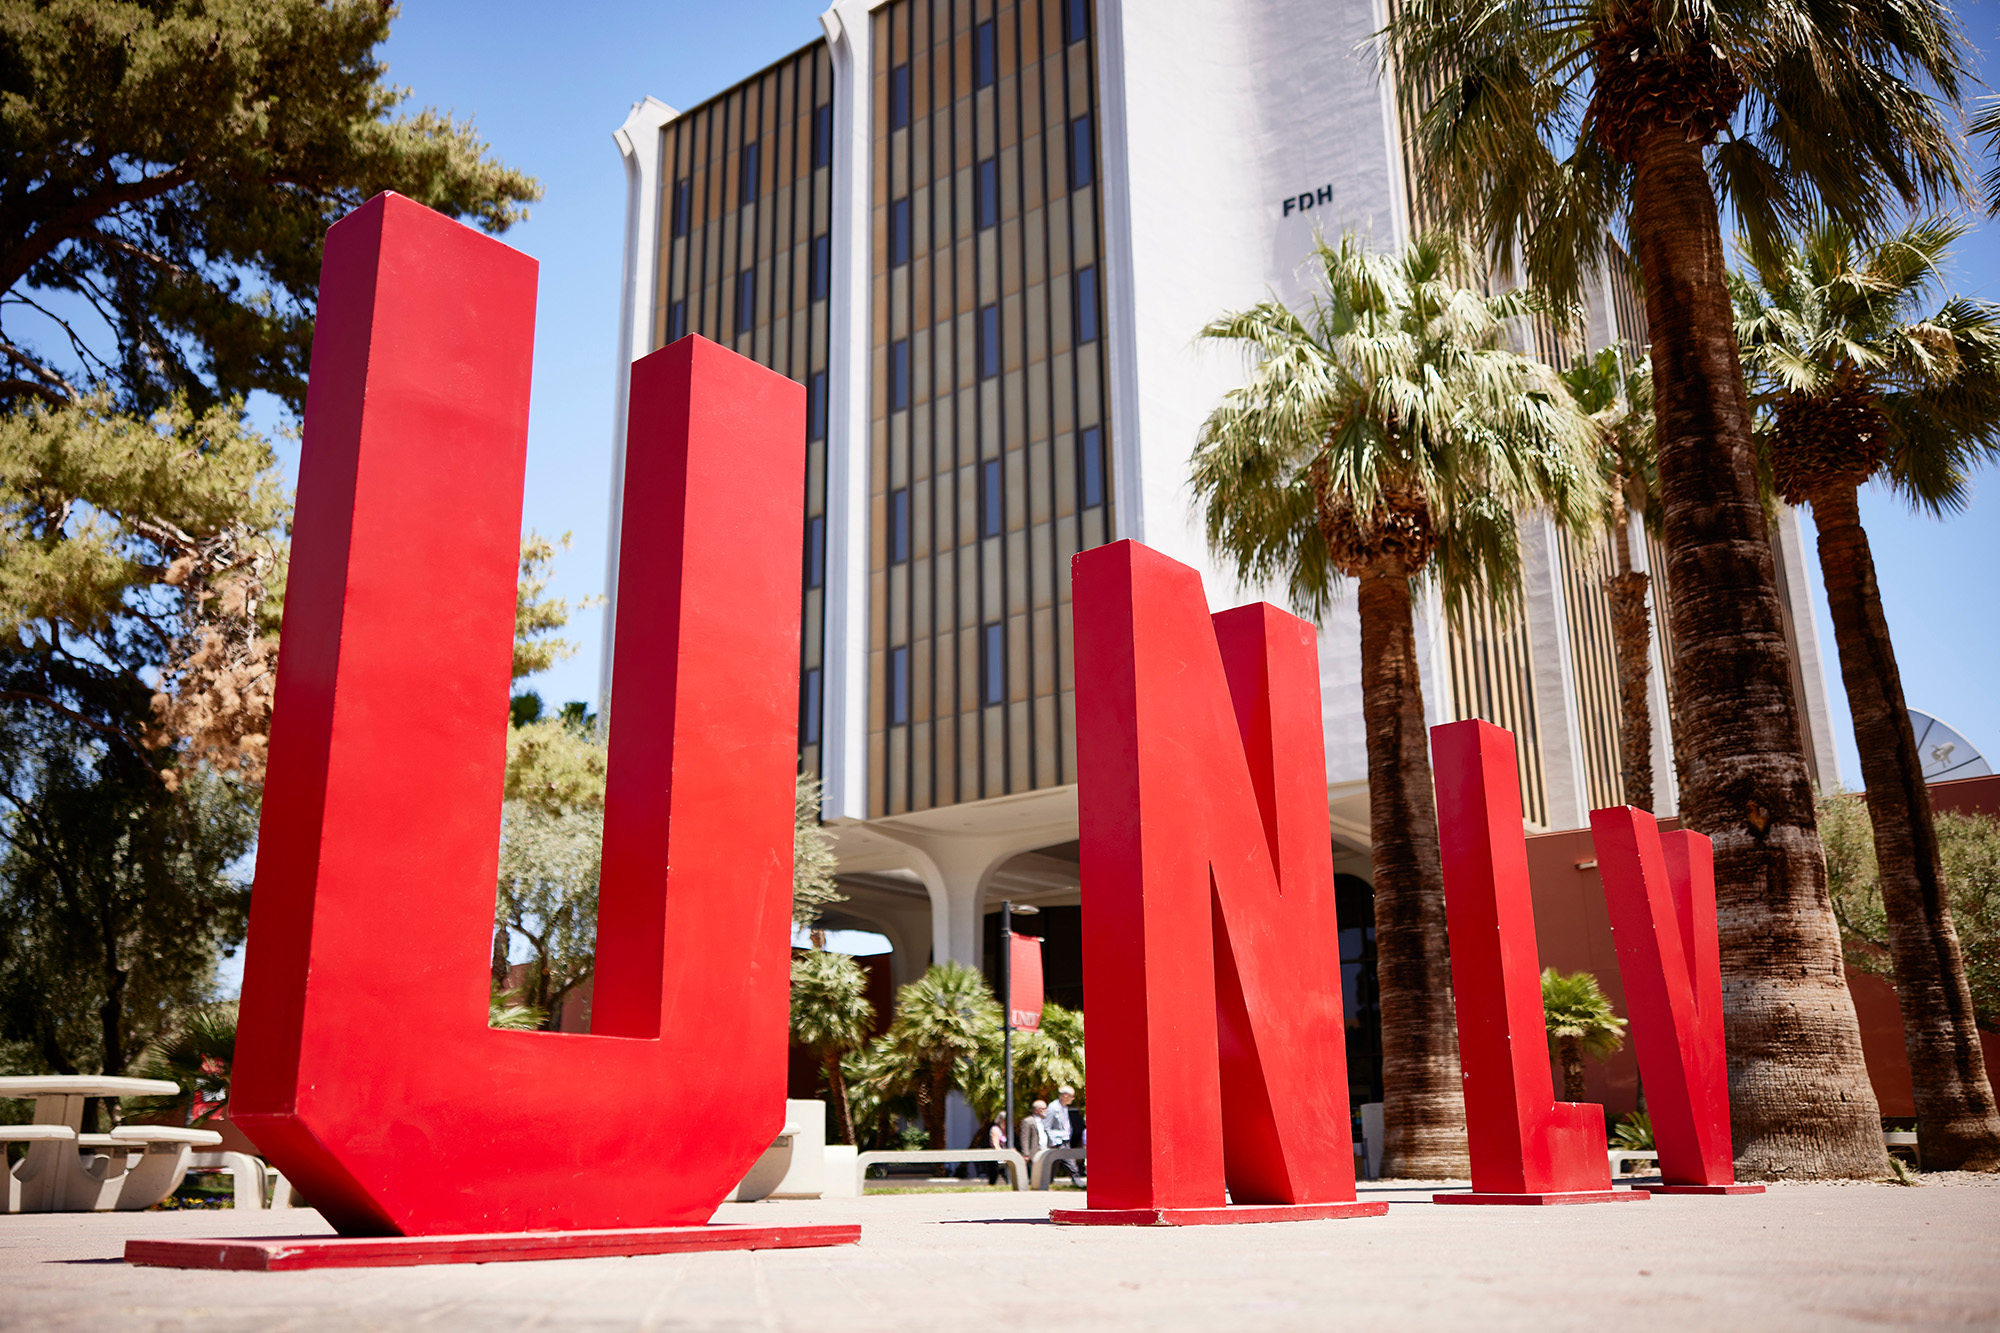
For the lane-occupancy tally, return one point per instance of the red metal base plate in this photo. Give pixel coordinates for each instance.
(1207, 1217)
(290, 1253)
(1704, 1189)
(1537, 1200)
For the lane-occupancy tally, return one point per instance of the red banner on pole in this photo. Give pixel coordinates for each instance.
(1024, 1006)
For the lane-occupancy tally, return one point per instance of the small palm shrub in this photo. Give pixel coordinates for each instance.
(1580, 1021)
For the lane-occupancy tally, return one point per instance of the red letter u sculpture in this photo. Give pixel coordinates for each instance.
(1660, 888)
(1209, 879)
(367, 1069)
(1526, 1146)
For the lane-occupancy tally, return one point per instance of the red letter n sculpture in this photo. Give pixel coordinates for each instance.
(1660, 888)
(367, 1070)
(1209, 906)
(1526, 1146)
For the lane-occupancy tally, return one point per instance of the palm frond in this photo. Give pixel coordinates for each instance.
(1393, 379)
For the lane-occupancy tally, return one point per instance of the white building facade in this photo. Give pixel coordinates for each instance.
(984, 233)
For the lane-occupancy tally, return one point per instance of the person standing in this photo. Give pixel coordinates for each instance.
(1056, 1121)
(1032, 1136)
(1057, 1129)
(996, 1139)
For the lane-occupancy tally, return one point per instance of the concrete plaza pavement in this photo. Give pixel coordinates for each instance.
(1799, 1257)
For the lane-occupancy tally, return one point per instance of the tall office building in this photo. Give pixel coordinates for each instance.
(984, 233)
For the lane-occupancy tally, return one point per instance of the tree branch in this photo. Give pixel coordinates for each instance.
(17, 388)
(117, 733)
(22, 358)
(80, 217)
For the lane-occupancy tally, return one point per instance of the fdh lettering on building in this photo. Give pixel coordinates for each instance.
(1310, 199)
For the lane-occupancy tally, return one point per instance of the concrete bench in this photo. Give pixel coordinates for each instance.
(136, 1166)
(247, 1176)
(1903, 1138)
(1017, 1166)
(38, 1162)
(1042, 1169)
(1620, 1156)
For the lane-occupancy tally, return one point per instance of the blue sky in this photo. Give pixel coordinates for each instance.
(549, 83)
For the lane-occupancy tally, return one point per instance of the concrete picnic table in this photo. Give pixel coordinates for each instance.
(132, 1167)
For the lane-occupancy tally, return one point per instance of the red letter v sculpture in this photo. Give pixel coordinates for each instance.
(1209, 907)
(1660, 889)
(367, 1070)
(1526, 1146)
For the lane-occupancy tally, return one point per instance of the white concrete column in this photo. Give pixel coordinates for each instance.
(844, 734)
(1795, 584)
(640, 143)
(955, 871)
(1561, 732)
(1666, 777)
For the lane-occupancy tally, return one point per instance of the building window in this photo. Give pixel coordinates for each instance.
(746, 300)
(816, 405)
(985, 55)
(899, 525)
(1086, 305)
(809, 708)
(899, 97)
(823, 135)
(1090, 467)
(989, 498)
(986, 193)
(992, 664)
(820, 268)
(1081, 171)
(816, 551)
(683, 204)
(899, 686)
(899, 374)
(899, 232)
(989, 341)
(1076, 20)
(677, 321)
(747, 189)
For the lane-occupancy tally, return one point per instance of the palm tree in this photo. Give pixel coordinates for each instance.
(814, 888)
(831, 1016)
(1386, 436)
(1045, 1059)
(877, 1091)
(1858, 382)
(1986, 124)
(944, 1021)
(198, 1052)
(1621, 402)
(1580, 1023)
(1543, 128)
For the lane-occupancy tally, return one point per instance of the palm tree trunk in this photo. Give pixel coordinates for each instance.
(1801, 1104)
(1956, 1115)
(836, 1083)
(937, 1094)
(1571, 1051)
(1423, 1109)
(1631, 640)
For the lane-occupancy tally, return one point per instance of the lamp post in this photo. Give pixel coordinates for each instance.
(1007, 911)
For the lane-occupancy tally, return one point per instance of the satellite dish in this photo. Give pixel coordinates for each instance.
(1944, 752)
